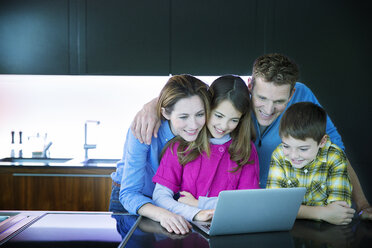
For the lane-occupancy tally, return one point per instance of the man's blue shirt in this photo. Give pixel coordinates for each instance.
(267, 141)
(137, 167)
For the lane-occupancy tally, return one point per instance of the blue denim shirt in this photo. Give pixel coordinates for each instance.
(137, 167)
(267, 141)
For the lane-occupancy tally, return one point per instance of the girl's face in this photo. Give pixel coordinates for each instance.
(224, 119)
(187, 118)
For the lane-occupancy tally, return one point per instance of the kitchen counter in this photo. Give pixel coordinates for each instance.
(59, 162)
(93, 229)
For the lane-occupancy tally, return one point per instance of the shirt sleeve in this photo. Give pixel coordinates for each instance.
(276, 172)
(338, 184)
(163, 197)
(170, 170)
(134, 174)
(207, 202)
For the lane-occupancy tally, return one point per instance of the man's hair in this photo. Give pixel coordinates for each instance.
(304, 120)
(275, 68)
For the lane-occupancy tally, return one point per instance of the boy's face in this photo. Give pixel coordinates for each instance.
(301, 152)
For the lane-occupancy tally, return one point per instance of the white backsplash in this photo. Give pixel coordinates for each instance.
(60, 105)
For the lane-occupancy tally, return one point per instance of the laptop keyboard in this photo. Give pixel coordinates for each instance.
(208, 226)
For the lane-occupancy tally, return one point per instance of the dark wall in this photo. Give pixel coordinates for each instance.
(330, 40)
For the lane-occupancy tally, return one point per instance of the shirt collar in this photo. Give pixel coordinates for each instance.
(220, 141)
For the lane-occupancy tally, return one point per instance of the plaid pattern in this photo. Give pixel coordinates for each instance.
(326, 178)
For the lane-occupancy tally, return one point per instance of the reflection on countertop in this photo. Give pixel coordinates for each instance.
(305, 233)
(101, 162)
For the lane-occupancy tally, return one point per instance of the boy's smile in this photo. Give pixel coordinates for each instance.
(300, 152)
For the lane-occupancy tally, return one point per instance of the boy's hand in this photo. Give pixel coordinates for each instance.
(204, 215)
(146, 123)
(188, 199)
(338, 213)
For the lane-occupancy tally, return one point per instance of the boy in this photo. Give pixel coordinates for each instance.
(307, 158)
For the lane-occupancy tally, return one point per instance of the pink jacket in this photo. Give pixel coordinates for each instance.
(207, 176)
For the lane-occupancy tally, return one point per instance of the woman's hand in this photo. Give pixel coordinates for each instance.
(170, 221)
(174, 223)
(188, 198)
(204, 215)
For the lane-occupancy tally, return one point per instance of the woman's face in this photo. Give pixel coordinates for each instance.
(224, 119)
(187, 117)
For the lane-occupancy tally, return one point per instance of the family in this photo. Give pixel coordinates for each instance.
(195, 140)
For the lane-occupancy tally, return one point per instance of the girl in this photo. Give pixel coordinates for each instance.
(183, 105)
(232, 163)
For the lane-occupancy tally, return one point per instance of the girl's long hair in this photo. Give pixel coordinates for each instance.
(234, 89)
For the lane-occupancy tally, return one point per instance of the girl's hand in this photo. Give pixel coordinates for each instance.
(204, 215)
(188, 199)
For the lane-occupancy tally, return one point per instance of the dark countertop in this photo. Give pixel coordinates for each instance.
(101, 229)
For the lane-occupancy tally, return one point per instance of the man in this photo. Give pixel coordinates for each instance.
(273, 89)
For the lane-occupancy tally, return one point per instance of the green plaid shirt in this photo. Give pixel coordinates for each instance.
(326, 178)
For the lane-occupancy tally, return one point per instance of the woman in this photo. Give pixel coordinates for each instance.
(183, 105)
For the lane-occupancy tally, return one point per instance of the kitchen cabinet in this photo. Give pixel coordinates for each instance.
(55, 188)
(222, 37)
(84, 37)
(127, 37)
(34, 37)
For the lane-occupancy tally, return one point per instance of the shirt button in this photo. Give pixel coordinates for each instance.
(305, 171)
(289, 182)
(221, 149)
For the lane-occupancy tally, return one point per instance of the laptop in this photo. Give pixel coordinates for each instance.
(254, 210)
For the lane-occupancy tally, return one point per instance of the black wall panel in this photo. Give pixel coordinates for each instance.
(214, 37)
(34, 37)
(127, 37)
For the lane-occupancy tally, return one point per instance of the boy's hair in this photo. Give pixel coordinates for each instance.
(275, 68)
(304, 120)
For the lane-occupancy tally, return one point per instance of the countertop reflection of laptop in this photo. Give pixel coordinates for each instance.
(255, 210)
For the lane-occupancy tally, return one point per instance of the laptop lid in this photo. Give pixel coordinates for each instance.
(255, 210)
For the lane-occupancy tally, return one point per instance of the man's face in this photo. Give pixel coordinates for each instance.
(269, 100)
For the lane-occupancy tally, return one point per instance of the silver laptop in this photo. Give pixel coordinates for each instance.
(254, 210)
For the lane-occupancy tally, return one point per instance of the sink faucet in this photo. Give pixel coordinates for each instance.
(88, 146)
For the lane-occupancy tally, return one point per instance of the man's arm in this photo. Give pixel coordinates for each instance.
(146, 122)
(362, 205)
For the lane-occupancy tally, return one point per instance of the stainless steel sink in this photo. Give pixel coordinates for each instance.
(95, 161)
